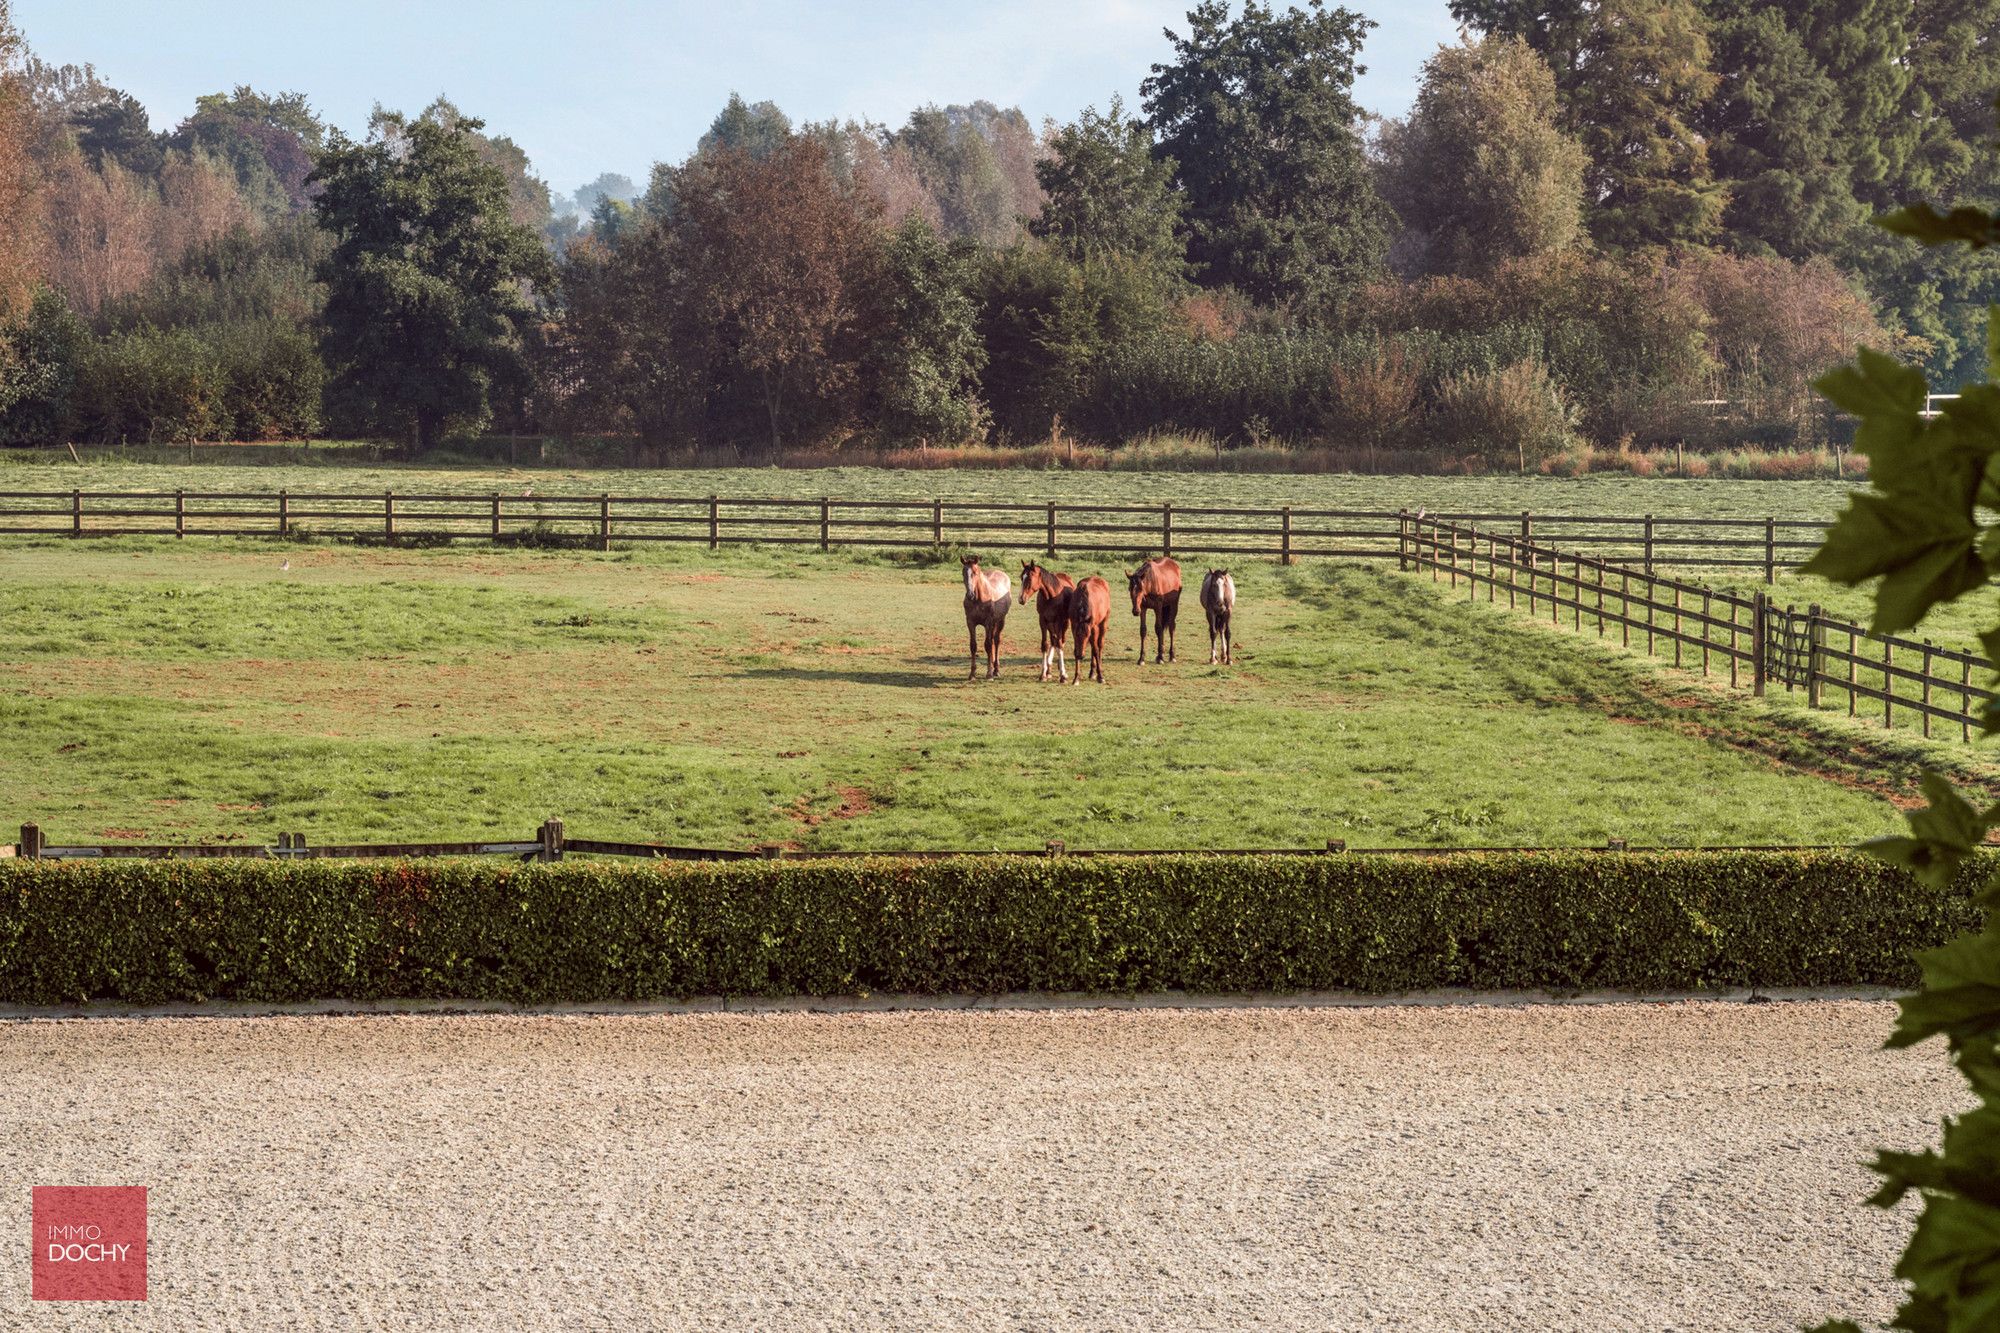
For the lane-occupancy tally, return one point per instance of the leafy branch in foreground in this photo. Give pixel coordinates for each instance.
(1919, 530)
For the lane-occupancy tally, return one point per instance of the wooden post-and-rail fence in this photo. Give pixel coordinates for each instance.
(1758, 643)
(551, 843)
(1283, 532)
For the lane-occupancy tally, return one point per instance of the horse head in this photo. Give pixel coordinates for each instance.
(1136, 581)
(1031, 580)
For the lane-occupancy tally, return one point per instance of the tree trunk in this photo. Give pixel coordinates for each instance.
(771, 409)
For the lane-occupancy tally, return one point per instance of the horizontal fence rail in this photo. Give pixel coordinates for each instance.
(551, 843)
(1757, 642)
(1283, 532)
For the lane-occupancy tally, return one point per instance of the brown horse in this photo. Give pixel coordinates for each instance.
(1218, 599)
(1156, 586)
(986, 603)
(1052, 594)
(1089, 613)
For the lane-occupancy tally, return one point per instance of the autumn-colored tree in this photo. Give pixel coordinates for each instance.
(1482, 171)
(100, 232)
(20, 192)
(978, 162)
(1773, 327)
(778, 263)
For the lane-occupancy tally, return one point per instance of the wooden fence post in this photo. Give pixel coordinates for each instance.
(31, 841)
(1052, 530)
(1527, 526)
(714, 523)
(1815, 660)
(1166, 529)
(825, 521)
(1888, 685)
(1770, 550)
(1649, 544)
(389, 515)
(1759, 606)
(1285, 538)
(1929, 650)
(496, 515)
(937, 524)
(604, 521)
(551, 837)
(1403, 541)
(284, 514)
(1965, 701)
(75, 513)
(180, 513)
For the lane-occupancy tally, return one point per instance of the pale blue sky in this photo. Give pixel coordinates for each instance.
(597, 85)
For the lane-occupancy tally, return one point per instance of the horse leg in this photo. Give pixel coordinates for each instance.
(993, 651)
(1142, 635)
(1173, 630)
(1078, 631)
(1211, 640)
(972, 633)
(1225, 640)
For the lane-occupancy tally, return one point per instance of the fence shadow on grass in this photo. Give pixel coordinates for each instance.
(906, 680)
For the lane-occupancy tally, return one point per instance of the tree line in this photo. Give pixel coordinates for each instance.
(1636, 220)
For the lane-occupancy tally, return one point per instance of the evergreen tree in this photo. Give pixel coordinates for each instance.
(1258, 115)
(1641, 81)
(1774, 134)
(1110, 194)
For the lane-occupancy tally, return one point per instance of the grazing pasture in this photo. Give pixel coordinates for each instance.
(1604, 494)
(162, 691)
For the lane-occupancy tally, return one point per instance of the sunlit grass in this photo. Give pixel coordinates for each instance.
(179, 691)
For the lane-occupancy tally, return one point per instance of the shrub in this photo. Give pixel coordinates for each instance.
(156, 931)
(1376, 400)
(273, 380)
(1514, 416)
(38, 365)
(153, 387)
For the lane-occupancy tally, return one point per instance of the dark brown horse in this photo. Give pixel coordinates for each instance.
(1089, 613)
(1156, 587)
(1052, 594)
(986, 603)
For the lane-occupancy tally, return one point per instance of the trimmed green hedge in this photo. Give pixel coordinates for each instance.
(150, 932)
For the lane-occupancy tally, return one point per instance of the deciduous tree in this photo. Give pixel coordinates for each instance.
(777, 263)
(1482, 172)
(20, 184)
(428, 282)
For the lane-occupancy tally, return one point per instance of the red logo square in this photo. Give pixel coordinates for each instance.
(90, 1243)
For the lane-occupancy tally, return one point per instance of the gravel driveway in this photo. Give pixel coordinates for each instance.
(1586, 1168)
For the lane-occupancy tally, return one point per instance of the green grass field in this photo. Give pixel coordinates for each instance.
(161, 691)
(1604, 494)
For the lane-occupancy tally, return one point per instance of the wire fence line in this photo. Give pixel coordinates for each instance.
(1052, 527)
(1756, 641)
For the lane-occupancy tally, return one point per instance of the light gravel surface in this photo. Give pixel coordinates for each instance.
(1647, 1167)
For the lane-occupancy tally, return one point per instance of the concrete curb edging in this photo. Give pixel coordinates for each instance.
(1024, 1001)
